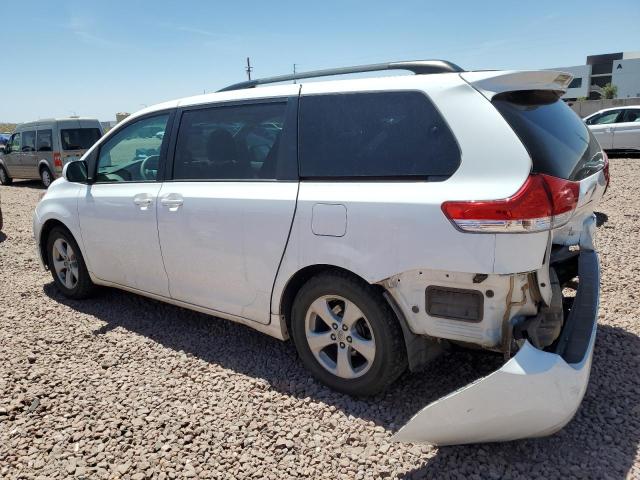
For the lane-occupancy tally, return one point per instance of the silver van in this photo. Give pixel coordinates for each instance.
(40, 149)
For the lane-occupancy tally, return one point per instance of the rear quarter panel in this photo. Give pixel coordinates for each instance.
(392, 227)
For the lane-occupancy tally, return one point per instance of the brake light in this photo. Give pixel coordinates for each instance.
(542, 203)
(57, 160)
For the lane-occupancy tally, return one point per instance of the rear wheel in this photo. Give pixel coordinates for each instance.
(347, 335)
(67, 265)
(46, 176)
(5, 179)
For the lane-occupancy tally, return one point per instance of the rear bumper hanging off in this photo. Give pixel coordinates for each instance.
(534, 394)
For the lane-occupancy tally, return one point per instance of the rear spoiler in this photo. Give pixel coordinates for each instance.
(491, 83)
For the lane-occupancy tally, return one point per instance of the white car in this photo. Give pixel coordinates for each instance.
(617, 129)
(371, 221)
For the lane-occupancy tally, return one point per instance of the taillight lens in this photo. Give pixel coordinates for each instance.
(542, 203)
(57, 160)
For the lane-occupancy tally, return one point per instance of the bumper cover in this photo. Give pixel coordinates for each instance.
(534, 394)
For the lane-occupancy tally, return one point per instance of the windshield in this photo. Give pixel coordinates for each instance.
(79, 138)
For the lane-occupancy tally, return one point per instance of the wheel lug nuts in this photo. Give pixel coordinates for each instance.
(344, 327)
(349, 339)
(335, 326)
(333, 337)
(342, 345)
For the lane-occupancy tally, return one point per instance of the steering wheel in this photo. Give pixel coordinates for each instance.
(149, 167)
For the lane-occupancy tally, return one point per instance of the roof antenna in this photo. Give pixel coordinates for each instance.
(249, 68)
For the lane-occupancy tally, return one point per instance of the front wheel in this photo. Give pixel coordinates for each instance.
(67, 265)
(347, 335)
(5, 179)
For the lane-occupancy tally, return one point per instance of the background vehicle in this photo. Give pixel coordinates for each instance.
(340, 214)
(40, 149)
(617, 129)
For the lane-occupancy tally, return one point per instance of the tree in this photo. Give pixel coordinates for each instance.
(609, 91)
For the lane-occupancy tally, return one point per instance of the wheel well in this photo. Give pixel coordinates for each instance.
(300, 278)
(41, 167)
(44, 237)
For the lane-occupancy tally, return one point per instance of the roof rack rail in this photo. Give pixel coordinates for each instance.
(419, 67)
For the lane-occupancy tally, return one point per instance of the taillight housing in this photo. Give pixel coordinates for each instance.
(57, 161)
(542, 203)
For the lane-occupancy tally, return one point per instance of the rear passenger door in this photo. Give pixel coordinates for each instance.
(225, 215)
(626, 134)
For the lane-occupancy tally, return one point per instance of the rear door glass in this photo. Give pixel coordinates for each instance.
(375, 135)
(79, 138)
(44, 141)
(29, 141)
(558, 141)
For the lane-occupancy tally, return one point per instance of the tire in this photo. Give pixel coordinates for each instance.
(46, 176)
(372, 319)
(78, 285)
(5, 179)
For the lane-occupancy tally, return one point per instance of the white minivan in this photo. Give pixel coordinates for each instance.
(372, 221)
(40, 149)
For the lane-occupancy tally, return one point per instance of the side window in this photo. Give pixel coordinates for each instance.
(381, 134)
(605, 118)
(29, 141)
(632, 115)
(15, 142)
(44, 141)
(230, 142)
(133, 153)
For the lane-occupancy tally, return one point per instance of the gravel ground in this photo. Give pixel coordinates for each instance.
(125, 387)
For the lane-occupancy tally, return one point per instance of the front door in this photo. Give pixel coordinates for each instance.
(28, 159)
(12, 159)
(118, 212)
(225, 217)
(602, 127)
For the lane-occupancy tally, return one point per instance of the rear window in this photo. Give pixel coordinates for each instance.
(79, 138)
(559, 142)
(381, 134)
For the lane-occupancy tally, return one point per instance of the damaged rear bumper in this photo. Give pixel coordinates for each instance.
(534, 394)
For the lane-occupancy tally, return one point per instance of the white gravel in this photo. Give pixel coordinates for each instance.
(125, 387)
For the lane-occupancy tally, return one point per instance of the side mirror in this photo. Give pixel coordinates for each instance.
(75, 171)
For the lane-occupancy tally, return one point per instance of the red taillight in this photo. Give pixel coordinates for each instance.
(57, 160)
(542, 203)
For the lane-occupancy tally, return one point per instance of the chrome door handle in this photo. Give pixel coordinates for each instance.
(173, 201)
(143, 201)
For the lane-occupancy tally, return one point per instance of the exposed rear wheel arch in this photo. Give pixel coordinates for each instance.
(301, 277)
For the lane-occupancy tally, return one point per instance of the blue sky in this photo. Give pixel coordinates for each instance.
(97, 58)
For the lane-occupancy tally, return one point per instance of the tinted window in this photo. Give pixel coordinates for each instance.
(390, 134)
(559, 142)
(133, 153)
(28, 141)
(79, 138)
(44, 141)
(234, 142)
(604, 118)
(632, 115)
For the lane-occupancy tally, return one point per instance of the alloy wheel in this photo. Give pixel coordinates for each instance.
(65, 263)
(340, 336)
